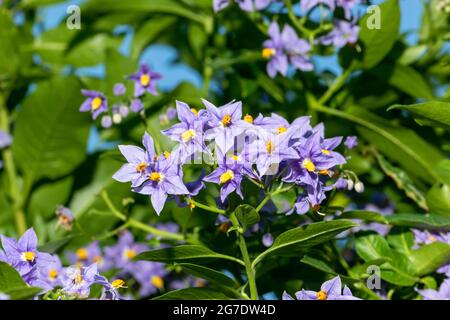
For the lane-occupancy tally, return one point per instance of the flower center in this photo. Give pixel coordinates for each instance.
(141, 167)
(78, 278)
(129, 254)
(227, 176)
(325, 151)
(82, 254)
(188, 135)
(268, 53)
(308, 165)
(166, 154)
(235, 158)
(97, 259)
(321, 295)
(155, 176)
(324, 172)
(281, 130)
(269, 146)
(118, 283)
(248, 118)
(157, 281)
(52, 274)
(194, 111)
(432, 238)
(145, 80)
(96, 103)
(226, 120)
(28, 256)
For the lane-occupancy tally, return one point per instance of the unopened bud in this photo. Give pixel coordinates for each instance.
(359, 187)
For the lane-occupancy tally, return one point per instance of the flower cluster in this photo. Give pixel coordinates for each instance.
(261, 149)
(46, 271)
(97, 103)
(285, 48)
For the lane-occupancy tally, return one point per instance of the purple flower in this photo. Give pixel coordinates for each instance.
(427, 237)
(171, 113)
(136, 105)
(85, 256)
(4, 296)
(307, 5)
(23, 254)
(5, 139)
(145, 80)
(139, 160)
(442, 294)
(163, 178)
(189, 132)
(228, 174)
(269, 150)
(51, 272)
(95, 102)
(347, 5)
(77, 281)
(341, 184)
(119, 89)
(110, 290)
(65, 217)
(167, 226)
(351, 142)
(150, 276)
(312, 197)
(246, 5)
(121, 255)
(330, 290)
(344, 32)
(225, 123)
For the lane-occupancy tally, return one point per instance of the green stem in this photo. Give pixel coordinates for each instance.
(336, 86)
(269, 196)
(111, 206)
(206, 207)
(248, 264)
(10, 169)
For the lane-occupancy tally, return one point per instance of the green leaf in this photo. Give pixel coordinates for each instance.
(403, 181)
(148, 32)
(435, 111)
(193, 294)
(12, 284)
(270, 86)
(323, 266)
(51, 134)
(306, 236)
(438, 199)
(183, 253)
(210, 275)
(430, 257)
(421, 221)
(405, 79)
(246, 215)
(442, 169)
(397, 270)
(401, 241)
(364, 215)
(378, 42)
(55, 246)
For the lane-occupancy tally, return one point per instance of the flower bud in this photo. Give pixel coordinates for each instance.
(350, 184)
(359, 187)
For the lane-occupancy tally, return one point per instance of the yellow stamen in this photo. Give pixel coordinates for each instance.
(78, 278)
(188, 135)
(235, 158)
(268, 53)
(52, 274)
(96, 103)
(227, 176)
(248, 118)
(145, 80)
(157, 281)
(82, 254)
(166, 154)
(97, 259)
(281, 130)
(28, 256)
(118, 283)
(191, 205)
(130, 254)
(326, 152)
(321, 295)
(308, 165)
(194, 111)
(324, 172)
(155, 176)
(226, 120)
(432, 238)
(141, 167)
(269, 146)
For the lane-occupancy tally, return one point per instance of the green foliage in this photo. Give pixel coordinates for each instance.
(11, 284)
